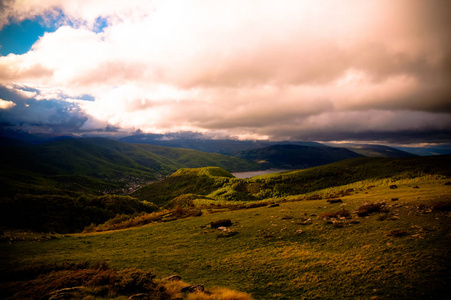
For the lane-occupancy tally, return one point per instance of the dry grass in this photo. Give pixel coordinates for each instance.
(85, 281)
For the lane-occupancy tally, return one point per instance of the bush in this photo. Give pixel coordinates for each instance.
(64, 214)
(344, 213)
(367, 209)
(442, 206)
(221, 223)
(397, 233)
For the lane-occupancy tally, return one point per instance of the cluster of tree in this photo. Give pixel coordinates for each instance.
(64, 214)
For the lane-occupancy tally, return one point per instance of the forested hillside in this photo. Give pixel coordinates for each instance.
(97, 165)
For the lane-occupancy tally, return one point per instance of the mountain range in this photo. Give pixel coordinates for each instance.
(101, 165)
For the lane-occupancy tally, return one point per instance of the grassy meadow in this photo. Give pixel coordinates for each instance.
(298, 249)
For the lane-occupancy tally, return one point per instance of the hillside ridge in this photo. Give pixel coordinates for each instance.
(290, 182)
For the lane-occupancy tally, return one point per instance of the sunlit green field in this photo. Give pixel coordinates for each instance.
(401, 253)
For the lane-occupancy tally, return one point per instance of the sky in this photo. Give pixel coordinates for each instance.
(314, 70)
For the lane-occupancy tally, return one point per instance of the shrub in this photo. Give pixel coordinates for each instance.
(133, 280)
(180, 212)
(64, 214)
(367, 209)
(442, 206)
(221, 223)
(397, 233)
(344, 213)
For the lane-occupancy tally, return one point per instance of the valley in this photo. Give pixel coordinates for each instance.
(358, 228)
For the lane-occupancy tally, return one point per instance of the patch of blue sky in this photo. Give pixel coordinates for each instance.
(100, 24)
(87, 97)
(18, 38)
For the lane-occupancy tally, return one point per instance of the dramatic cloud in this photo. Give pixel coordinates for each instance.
(308, 69)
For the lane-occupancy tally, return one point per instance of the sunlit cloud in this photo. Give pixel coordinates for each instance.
(4, 104)
(259, 69)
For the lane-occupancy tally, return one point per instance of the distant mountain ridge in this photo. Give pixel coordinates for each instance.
(295, 156)
(222, 146)
(375, 150)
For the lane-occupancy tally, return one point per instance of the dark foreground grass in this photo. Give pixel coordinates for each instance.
(275, 256)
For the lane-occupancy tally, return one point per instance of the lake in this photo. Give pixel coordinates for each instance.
(256, 173)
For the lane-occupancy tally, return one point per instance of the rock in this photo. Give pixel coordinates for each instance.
(141, 296)
(393, 186)
(306, 222)
(300, 231)
(173, 278)
(193, 288)
(416, 187)
(221, 223)
(394, 199)
(332, 201)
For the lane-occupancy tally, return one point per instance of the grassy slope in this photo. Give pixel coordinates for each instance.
(289, 183)
(90, 165)
(268, 259)
(200, 181)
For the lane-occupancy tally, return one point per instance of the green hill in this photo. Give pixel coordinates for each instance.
(94, 165)
(202, 182)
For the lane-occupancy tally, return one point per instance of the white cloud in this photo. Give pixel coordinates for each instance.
(248, 68)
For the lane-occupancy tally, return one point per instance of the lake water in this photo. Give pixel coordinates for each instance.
(256, 173)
